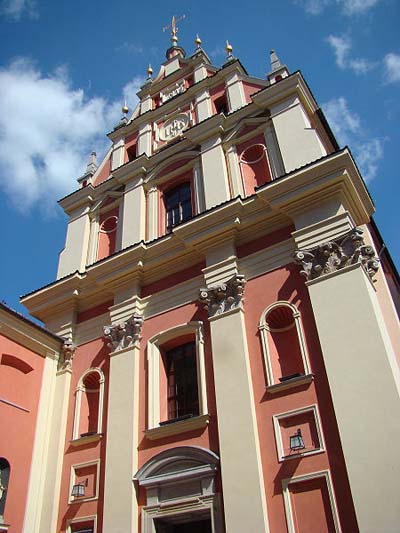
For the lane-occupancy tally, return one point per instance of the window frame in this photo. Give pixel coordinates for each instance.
(298, 479)
(278, 434)
(73, 521)
(177, 470)
(72, 482)
(154, 358)
(165, 193)
(272, 385)
(80, 389)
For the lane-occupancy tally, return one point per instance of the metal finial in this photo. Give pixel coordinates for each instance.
(174, 29)
(149, 71)
(125, 108)
(228, 49)
(197, 41)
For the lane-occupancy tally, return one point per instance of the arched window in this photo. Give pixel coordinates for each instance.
(88, 419)
(185, 474)
(254, 166)
(4, 479)
(283, 343)
(177, 386)
(178, 205)
(107, 237)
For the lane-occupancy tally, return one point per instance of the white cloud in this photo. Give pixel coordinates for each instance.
(348, 129)
(342, 47)
(392, 68)
(15, 9)
(348, 7)
(48, 130)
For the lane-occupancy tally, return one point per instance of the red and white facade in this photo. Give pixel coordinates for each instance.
(222, 354)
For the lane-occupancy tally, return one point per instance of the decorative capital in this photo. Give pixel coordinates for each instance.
(125, 334)
(334, 255)
(224, 296)
(68, 351)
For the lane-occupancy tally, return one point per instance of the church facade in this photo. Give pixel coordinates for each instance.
(220, 350)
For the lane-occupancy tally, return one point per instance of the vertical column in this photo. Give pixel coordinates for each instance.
(120, 504)
(299, 142)
(133, 214)
(274, 156)
(362, 372)
(144, 139)
(242, 477)
(45, 477)
(118, 153)
(73, 256)
(198, 187)
(234, 172)
(152, 214)
(216, 186)
(203, 105)
(234, 88)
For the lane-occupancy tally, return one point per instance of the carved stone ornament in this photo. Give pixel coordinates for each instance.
(223, 297)
(174, 126)
(68, 351)
(125, 334)
(334, 255)
(173, 90)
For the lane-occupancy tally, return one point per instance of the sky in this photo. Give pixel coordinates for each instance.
(66, 68)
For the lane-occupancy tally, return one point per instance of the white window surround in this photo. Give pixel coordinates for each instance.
(264, 329)
(278, 434)
(154, 357)
(180, 488)
(72, 482)
(298, 479)
(80, 389)
(74, 521)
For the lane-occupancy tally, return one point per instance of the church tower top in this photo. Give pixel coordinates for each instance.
(174, 49)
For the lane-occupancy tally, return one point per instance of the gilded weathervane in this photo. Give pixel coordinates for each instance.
(174, 29)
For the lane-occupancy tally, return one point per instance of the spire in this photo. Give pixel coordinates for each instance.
(228, 49)
(275, 63)
(90, 170)
(278, 71)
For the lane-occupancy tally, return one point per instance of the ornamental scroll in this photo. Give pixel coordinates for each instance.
(124, 334)
(224, 296)
(334, 255)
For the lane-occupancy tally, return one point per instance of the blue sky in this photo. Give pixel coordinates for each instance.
(66, 67)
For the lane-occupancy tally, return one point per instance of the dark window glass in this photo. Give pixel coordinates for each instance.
(4, 478)
(178, 205)
(181, 371)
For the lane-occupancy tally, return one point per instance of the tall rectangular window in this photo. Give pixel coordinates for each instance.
(178, 205)
(182, 389)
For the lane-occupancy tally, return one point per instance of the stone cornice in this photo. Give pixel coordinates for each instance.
(333, 176)
(32, 337)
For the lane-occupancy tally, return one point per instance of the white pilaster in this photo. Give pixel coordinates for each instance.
(118, 153)
(364, 381)
(120, 503)
(152, 214)
(236, 96)
(241, 469)
(73, 256)
(216, 186)
(144, 140)
(274, 156)
(203, 105)
(133, 220)
(234, 172)
(298, 141)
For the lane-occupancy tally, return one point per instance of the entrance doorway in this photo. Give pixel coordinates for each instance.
(197, 526)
